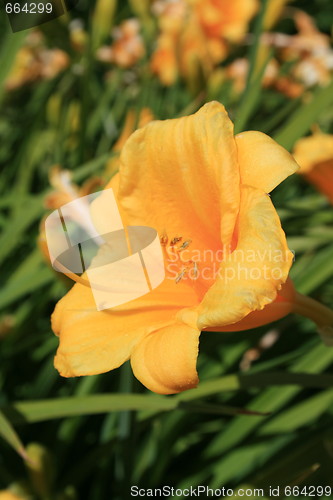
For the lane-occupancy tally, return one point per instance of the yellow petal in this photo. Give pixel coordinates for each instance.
(223, 18)
(180, 177)
(315, 157)
(165, 361)
(249, 277)
(281, 307)
(94, 341)
(321, 176)
(263, 162)
(188, 166)
(311, 151)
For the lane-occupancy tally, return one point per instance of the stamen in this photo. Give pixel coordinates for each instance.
(184, 245)
(181, 275)
(164, 239)
(175, 240)
(195, 270)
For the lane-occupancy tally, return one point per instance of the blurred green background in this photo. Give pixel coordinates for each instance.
(98, 435)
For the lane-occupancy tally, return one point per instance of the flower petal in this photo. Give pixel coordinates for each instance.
(165, 361)
(249, 277)
(222, 18)
(188, 166)
(94, 341)
(313, 150)
(315, 157)
(321, 176)
(263, 162)
(281, 307)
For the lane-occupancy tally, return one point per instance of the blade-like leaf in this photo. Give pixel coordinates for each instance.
(299, 415)
(8, 433)
(10, 47)
(301, 121)
(37, 411)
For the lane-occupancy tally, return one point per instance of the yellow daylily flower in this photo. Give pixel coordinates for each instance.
(237, 71)
(195, 35)
(308, 50)
(314, 155)
(34, 62)
(128, 46)
(222, 18)
(226, 258)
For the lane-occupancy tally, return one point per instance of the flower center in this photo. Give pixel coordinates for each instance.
(178, 265)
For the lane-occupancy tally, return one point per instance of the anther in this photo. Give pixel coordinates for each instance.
(164, 239)
(175, 240)
(195, 270)
(181, 275)
(184, 245)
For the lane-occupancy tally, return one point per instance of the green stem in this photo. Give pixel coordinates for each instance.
(310, 308)
(320, 314)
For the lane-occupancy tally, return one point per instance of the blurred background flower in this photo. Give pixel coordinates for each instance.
(262, 413)
(194, 35)
(127, 48)
(36, 62)
(314, 154)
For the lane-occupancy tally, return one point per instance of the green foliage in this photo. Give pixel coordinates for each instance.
(270, 425)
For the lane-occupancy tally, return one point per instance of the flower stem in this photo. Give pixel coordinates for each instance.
(312, 309)
(320, 314)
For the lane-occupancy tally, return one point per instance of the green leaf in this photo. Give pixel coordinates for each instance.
(250, 103)
(31, 282)
(318, 270)
(308, 242)
(37, 411)
(301, 121)
(91, 167)
(299, 415)
(11, 46)
(268, 379)
(216, 409)
(207, 388)
(270, 400)
(255, 75)
(8, 433)
(296, 464)
(27, 212)
(243, 460)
